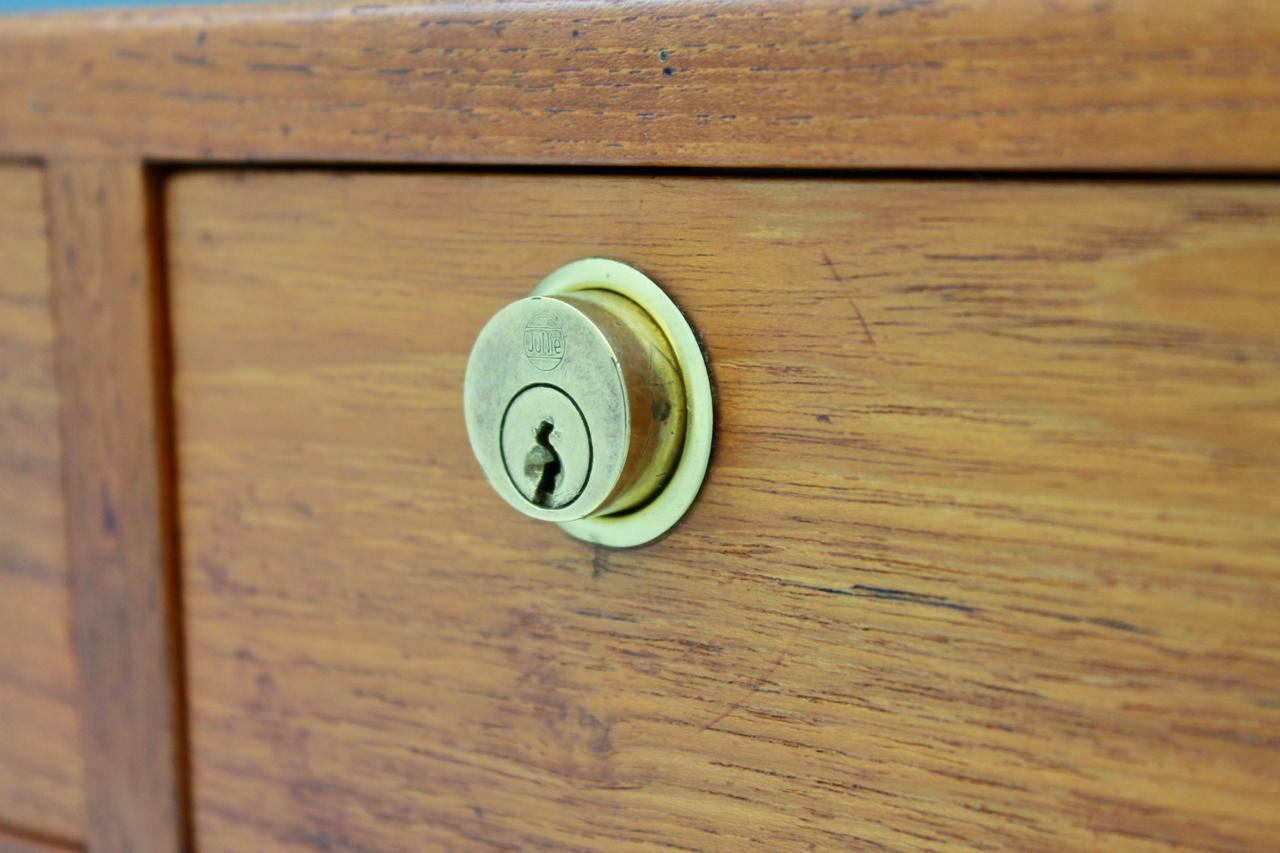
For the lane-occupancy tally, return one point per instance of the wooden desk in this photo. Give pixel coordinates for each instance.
(988, 553)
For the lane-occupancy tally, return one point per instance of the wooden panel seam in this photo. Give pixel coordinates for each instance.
(109, 312)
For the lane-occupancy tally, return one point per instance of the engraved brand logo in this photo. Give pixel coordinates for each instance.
(544, 343)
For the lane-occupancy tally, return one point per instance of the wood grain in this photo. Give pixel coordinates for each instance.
(40, 768)
(987, 557)
(115, 438)
(15, 843)
(1025, 84)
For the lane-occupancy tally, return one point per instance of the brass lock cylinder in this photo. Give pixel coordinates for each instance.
(580, 401)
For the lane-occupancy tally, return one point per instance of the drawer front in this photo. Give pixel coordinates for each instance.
(987, 550)
(40, 762)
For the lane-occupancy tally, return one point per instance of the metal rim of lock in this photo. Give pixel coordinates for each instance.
(589, 404)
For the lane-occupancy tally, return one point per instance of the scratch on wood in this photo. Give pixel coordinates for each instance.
(1117, 624)
(755, 686)
(752, 690)
(857, 312)
(108, 512)
(1100, 621)
(864, 591)
(905, 6)
(275, 66)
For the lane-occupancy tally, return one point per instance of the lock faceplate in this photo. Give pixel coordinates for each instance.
(577, 407)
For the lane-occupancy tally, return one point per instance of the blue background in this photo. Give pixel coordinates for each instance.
(54, 5)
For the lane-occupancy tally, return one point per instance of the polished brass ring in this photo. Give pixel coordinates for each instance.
(651, 520)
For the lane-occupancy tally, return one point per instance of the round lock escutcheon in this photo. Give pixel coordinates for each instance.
(588, 404)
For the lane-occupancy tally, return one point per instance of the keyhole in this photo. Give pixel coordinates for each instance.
(543, 463)
(546, 450)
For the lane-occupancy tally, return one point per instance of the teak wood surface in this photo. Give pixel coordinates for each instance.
(108, 102)
(41, 778)
(113, 388)
(1024, 84)
(987, 555)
